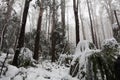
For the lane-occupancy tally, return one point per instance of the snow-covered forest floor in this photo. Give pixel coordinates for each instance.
(44, 70)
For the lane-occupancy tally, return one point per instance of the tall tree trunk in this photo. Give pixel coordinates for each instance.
(49, 23)
(37, 39)
(53, 58)
(75, 7)
(95, 25)
(103, 31)
(116, 31)
(46, 22)
(22, 33)
(49, 26)
(117, 19)
(91, 24)
(6, 20)
(63, 16)
(82, 25)
(68, 24)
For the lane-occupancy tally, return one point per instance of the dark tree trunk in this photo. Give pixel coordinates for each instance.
(116, 31)
(53, 58)
(75, 7)
(63, 16)
(117, 68)
(117, 19)
(37, 39)
(22, 33)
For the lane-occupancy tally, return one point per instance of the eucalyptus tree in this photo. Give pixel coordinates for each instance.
(75, 8)
(22, 33)
(39, 23)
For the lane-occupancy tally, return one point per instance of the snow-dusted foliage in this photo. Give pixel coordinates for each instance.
(95, 64)
(109, 44)
(25, 57)
(83, 51)
(65, 59)
(81, 48)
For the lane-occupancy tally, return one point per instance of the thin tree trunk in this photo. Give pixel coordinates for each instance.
(37, 39)
(75, 7)
(22, 33)
(46, 22)
(83, 30)
(49, 25)
(63, 16)
(95, 25)
(92, 31)
(102, 26)
(68, 24)
(117, 19)
(116, 31)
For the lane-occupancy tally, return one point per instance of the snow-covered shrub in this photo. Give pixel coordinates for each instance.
(25, 57)
(65, 59)
(83, 50)
(109, 45)
(101, 65)
(107, 58)
(95, 64)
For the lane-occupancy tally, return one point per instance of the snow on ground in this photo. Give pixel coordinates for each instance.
(43, 71)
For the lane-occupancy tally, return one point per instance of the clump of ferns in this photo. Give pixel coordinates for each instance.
(103, 63)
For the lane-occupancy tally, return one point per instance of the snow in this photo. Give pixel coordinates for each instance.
(12, 70)
(115, 26)
(44, 71)
(11, 51)
(3, 56)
